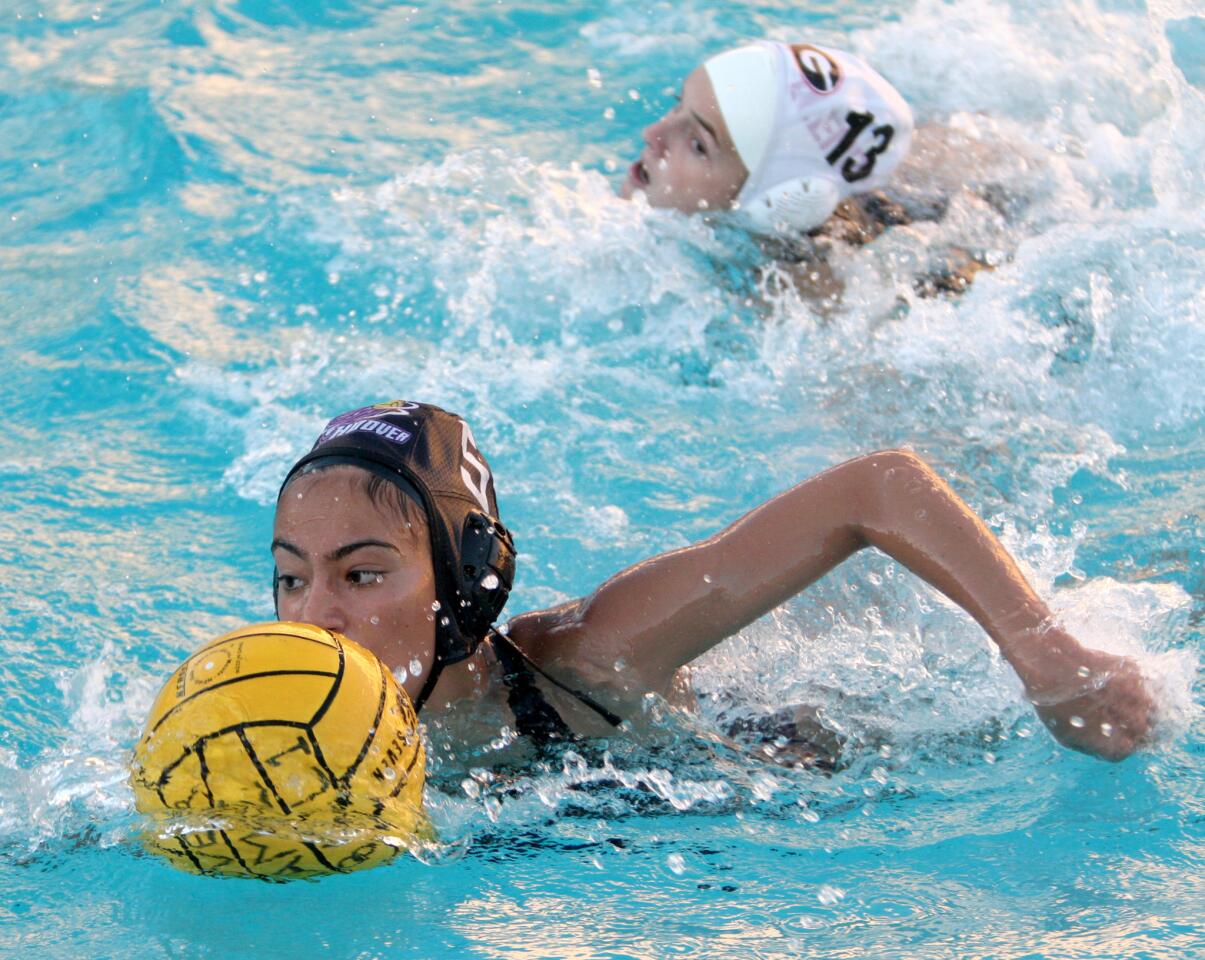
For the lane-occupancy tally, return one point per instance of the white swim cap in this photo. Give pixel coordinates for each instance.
(812, 126)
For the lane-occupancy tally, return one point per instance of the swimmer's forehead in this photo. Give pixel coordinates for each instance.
(332, 507)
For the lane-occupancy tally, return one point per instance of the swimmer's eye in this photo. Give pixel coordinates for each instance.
(698, 146)
(288, 583)
(365, 578)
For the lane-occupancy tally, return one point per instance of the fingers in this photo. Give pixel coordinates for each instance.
(1110, 723)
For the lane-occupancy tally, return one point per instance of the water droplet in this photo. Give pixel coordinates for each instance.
(620, 665)
(435, 605)
(594, 78)
(1106, 729)
(504, 629)
(707, 578)
(444, 621)
(1076, 722)
(633, 94)
(489, 582)
(416, 667)
(676, 863)
(1084, 672)
(388, 773)
(375, 621)
(609, 113)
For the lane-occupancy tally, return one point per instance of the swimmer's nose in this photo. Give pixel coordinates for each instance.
(323, 608)
(654, 135)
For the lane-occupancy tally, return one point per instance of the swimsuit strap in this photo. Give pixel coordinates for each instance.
(535, 717)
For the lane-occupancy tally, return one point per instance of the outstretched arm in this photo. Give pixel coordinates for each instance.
(662, 613)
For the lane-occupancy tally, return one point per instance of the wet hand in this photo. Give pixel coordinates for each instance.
(1101, 706)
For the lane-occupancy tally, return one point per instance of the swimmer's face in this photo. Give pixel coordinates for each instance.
(350, 564)
(689, 162)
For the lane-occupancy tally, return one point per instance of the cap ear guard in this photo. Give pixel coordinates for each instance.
(487, 571)
(800, 204)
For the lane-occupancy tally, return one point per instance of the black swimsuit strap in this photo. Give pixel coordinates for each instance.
(535, 717)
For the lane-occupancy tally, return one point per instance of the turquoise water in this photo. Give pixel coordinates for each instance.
(223, 222)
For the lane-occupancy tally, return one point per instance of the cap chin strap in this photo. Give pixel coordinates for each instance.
(801, 204)
(447, 636)
(482, 585)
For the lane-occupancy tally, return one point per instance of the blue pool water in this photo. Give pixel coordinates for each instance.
(222, 222)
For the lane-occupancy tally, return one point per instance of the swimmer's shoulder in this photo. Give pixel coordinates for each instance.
(590, 695)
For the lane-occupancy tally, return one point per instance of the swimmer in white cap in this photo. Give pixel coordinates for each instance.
(783, 132)
(799, 139)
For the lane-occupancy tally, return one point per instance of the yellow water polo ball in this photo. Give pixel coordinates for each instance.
(280, 751)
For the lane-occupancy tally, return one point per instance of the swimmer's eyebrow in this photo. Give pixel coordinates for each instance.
(706, 126)
(337, 554)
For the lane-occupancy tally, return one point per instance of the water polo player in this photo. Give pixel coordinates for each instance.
(783, 132)
(388, 531)
(799, 139)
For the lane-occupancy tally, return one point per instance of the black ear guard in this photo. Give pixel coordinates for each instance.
(485, 577)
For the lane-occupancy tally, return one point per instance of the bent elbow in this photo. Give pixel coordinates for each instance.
(885, 480)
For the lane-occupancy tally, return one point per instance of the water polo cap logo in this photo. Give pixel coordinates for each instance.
(369, 419)
(818, 68)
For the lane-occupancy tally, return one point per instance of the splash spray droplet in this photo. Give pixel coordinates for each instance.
(1076, 722)
(416, 667)
(489, 582)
